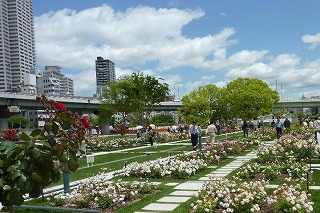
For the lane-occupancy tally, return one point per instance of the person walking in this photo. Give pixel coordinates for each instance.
(150, 135)
(211, 132)
(279, 128)
(199, 138)
(286, 123)
(245, 129)
(316, 126)
(193, 134)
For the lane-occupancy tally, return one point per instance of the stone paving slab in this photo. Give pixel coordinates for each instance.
(167, 207)
(236, 165)
(221, 172)
(244, 157)
(272, 186)
(217, 174)
(231, 167)
(171, 184)
(314, 187)
(173, 199)
(141, 212)
(190, 185)
(182, 193)
(205, 178)
(224, 169)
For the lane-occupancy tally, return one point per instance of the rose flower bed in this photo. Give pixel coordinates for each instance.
(222, 195)
(99, 193)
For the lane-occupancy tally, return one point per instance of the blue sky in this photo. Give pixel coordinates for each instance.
(187, 43)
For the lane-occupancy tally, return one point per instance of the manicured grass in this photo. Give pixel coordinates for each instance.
(116, 161)
(315, 194)
(163, 191)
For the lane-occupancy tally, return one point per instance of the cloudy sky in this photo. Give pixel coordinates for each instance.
(188, 43)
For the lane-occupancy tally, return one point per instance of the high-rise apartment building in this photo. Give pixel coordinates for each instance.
(66, 86)
(105, 71)
(54, 82)
(17, 43)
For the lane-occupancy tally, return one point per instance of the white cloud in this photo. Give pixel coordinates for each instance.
(207, 78)
(140, 36)
(222, 14)
(128, 38)
(285, 61)
(314, 40)
(84, 82)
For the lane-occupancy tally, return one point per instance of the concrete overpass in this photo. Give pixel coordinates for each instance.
(85, 104)
(25, 101)
(312, 103)
(78, 104)
(89, 104)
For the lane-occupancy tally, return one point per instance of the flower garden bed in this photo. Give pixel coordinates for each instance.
(100, 193)
(98, 144)
(285, 162)
(247, 193)
(223, 195)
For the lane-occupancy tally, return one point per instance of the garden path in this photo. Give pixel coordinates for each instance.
(184, 191)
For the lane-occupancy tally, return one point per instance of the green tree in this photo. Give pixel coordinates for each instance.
(162, 119)
(30, 166)
(135, 94)
(203, 104)
(17, 121)
(250, 97)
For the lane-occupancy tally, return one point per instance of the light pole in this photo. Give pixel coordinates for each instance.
(174, 90)
(90, 128)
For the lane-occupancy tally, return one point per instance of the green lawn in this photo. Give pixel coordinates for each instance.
(115, 161)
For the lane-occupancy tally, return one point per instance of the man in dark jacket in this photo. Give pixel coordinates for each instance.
(286, 123)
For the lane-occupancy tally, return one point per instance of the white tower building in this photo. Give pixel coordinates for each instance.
(17, 43)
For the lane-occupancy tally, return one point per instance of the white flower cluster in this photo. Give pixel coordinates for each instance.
(95, 190)
(289, 145)
(172, 167)
(222, 195)
(230, 196)
(290, 199)
(247, 170)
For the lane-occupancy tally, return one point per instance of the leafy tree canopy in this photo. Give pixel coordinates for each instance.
(137, 94)
(244, 98)
(202, 105)
(17, 121)
(250, 97)
(162, 119)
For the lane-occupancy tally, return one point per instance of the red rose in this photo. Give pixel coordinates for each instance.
(85, 122)
(60, 106)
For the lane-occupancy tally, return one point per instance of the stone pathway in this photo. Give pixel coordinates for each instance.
(184, 191)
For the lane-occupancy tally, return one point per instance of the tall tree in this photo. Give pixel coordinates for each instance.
(250, 97)
(137, 94)
(202, 104)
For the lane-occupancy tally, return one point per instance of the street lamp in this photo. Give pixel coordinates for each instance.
(228, 109)
(174, 90)
(90, 128)
(89, 108)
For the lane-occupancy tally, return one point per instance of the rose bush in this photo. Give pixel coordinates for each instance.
(32, 163)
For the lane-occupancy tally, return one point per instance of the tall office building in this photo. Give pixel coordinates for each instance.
(53, 82)
(105, 71)
(17, 43)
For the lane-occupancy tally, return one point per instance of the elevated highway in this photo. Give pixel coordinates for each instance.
(86, 104)
(312, 103)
